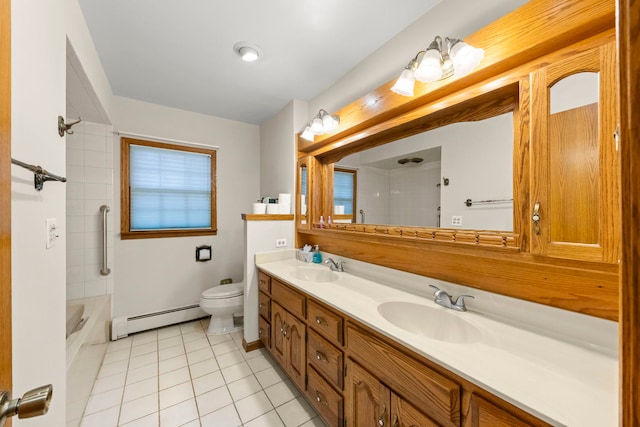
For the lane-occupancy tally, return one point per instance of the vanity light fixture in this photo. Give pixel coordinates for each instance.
(322, 123)
(440, 60)
(247, 51)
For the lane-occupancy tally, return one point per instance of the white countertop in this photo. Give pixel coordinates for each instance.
(560, 382)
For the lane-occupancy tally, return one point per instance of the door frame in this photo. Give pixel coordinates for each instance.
(5, 196)
(628, 16)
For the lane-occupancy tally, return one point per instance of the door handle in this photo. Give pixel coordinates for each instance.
(32, 404)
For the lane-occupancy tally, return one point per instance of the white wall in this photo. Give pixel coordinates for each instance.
(453, 18)
(39, 31)
(477, 157)
(414, 195)
(259, 236)
(277, 150)
(89, 186)
(156, 274)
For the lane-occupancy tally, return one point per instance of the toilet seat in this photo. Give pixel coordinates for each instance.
(223, 291)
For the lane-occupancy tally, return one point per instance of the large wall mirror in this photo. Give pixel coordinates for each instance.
(456, 176)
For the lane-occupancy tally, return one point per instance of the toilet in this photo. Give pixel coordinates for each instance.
(225, 305)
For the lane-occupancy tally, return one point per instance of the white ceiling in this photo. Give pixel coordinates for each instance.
(180, 53)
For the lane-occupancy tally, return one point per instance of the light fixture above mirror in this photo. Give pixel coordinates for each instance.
(322, 123)
(440, 60)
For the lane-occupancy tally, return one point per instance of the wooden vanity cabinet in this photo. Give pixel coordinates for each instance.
(374, 404)
(288, 331)
(353, 376)
(264, 319)
(325, 362)
(437, 396)
(288, 343)
(482, 413)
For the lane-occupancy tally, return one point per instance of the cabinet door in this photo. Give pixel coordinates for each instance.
(368, 400)
(295, 332)
(403, 414)
(575, 184)
(485, 414)
(278, 341)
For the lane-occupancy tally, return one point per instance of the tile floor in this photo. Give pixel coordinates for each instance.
(179, 376)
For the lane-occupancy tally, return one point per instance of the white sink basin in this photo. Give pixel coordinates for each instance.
(315, 274)
(430, 322)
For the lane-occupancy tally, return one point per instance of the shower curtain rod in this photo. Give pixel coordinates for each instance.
(172, 141)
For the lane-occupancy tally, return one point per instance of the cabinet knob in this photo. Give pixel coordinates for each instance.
(320, 356)
(535, 217)
(382, 416)
(320, 400)
(321, 321)
(396, 421)
(283, 330)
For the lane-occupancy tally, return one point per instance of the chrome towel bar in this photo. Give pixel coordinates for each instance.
(40, 175)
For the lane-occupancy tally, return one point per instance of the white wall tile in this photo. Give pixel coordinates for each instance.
(95, 158)
(95, 288)
(92, 129)
(75, 158)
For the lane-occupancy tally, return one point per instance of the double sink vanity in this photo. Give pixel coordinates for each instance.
(370, 345)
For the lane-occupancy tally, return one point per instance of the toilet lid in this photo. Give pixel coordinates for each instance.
(224, 291)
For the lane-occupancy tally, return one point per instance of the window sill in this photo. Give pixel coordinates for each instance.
(130, 235)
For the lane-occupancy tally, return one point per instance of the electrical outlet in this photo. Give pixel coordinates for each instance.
(51, 233)
(456, 220)
(281, 243)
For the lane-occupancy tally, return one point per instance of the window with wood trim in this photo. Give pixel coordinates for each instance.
(167, 190)
(344, 194)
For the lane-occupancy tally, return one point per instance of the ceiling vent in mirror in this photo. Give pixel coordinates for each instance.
(410, 161)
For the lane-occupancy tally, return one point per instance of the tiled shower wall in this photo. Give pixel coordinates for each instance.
(89, 186)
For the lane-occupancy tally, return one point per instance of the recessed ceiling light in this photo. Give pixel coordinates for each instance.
(249, 52)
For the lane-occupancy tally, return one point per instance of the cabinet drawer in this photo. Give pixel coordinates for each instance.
(291, 300)
(326, 322)
(436, 395)
(264, 306)
(264, 332)
(326, 400)
(326, 358)
(264, 282)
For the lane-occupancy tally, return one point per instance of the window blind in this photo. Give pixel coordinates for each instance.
(169, 189)
(343, 190)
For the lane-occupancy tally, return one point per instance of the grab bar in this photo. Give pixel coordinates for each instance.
(105, 271)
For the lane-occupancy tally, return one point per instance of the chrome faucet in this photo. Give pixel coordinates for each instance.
(444, 299)
(334, 266)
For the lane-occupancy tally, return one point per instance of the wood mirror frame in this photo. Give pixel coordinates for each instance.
(499, 262)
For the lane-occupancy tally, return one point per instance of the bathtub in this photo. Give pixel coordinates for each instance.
(87, 338)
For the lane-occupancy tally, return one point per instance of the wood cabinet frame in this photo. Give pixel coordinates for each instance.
(496, 262)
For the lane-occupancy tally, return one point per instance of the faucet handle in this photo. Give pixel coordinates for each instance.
(460, 302)
(435, 287)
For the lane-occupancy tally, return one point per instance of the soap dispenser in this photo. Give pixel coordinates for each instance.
(317, 256)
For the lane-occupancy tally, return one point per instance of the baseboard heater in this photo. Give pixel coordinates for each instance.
(121, 327)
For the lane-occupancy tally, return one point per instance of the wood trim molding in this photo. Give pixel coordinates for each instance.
(267, 217)
(250, 346)
(629, 70)
(5, 196)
